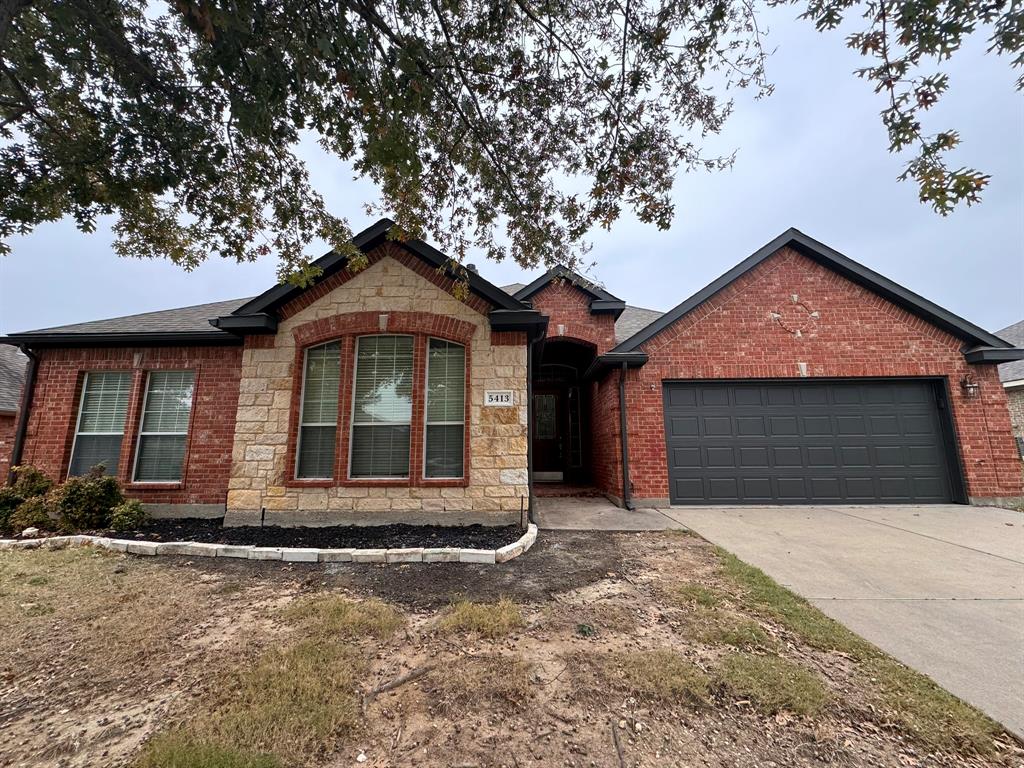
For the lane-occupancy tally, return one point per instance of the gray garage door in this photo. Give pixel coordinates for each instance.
(806, 442)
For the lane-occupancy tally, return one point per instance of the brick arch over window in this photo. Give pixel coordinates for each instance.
(345, 329)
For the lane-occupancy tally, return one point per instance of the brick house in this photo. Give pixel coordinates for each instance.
(1012, 376)
(376, 396)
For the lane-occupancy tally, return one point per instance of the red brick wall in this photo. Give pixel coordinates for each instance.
(8, 424)
(568, 306)
(606, 446)
(749, 330)
(54, 413)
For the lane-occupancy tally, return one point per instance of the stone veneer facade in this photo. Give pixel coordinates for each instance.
(392, 295)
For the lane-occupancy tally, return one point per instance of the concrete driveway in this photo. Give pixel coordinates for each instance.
(939, 587)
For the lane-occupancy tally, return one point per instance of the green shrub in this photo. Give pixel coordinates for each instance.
(29, 482)
(85, 503)
(10, 500)
(128, 516)
(33, 513)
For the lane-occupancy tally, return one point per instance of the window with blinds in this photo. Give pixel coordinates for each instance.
(381, 407)
(101, 415)
(163, 430)
(446, 409)
(318, 419)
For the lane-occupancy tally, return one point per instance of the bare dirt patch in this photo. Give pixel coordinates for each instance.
(591, 645)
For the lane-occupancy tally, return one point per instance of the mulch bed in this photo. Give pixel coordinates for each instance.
(327, 537)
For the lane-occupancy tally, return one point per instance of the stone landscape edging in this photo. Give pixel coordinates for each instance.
(286, 554)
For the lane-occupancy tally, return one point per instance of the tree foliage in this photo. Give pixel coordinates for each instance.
(511, 126)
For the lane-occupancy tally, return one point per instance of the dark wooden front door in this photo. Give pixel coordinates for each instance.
(548, 459)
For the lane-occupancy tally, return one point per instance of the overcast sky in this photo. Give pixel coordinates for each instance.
(812, 156)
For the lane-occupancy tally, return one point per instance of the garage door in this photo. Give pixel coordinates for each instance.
(806, 442)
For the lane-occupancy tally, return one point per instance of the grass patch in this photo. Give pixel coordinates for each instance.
(497, 680)
(330, 615)
(930, 714)
(695, 594)
(491, 620)
(725, 628)
(293, 703)
(176, 751)
(933, 715)
(773, 684)
(659, 675)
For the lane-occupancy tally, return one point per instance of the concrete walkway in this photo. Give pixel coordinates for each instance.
(598, 514)
(939, 587)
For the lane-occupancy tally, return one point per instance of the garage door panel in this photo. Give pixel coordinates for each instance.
(804, 442)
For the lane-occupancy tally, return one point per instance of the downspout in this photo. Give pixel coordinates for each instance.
(530, 500)
(26, 402)
(626, 500)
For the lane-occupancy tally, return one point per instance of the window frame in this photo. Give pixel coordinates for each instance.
(408, 478)
(426, 411)
(302, 408)
(146, 378)
(115, 471)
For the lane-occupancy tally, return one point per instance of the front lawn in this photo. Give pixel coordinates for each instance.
(650, 649)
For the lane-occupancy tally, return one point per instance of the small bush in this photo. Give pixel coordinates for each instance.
(32, 513)
(10, 500)
(128, 516)
(29, 482)
(85, 503)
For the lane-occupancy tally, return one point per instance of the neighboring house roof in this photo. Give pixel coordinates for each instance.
(983, 346)
(12, 376)
(1014, 334)
(511, 288)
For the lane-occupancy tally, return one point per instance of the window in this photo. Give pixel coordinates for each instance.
(164, 428)
(381, 407)
(100, 421)
(318, 421)
(446, 409)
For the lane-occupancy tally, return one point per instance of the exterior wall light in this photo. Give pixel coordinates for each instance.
(970, 387)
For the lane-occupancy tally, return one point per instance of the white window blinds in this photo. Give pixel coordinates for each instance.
(318, 422)
(101, 417)
(381, 407)
(446, 409)
(163, 432)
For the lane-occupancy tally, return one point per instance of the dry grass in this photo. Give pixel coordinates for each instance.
(333, 616)
(177, 751)
(296, 701)
(930, 714)
(691, 594)
(490, 620)
(773, 684)
(658, 675)
(496, 680)
(722, 627)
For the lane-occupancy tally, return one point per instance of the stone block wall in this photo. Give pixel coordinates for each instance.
(395, 294)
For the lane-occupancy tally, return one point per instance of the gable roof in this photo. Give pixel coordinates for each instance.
(12, 377)
(984, 346)
(276, 297)
(600, 299)
(1014, 334)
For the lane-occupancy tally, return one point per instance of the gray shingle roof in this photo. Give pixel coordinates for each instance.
(1015, 335)
(631, 320)
(12, 376)
(182, 320)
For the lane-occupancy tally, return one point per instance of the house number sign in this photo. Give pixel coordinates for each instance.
(498, 398)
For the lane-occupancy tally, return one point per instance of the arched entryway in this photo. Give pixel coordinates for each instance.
(561, 413)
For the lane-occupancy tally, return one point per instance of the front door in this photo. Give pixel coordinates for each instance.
(548, 462)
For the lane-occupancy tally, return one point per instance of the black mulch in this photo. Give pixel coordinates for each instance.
(327, 537)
